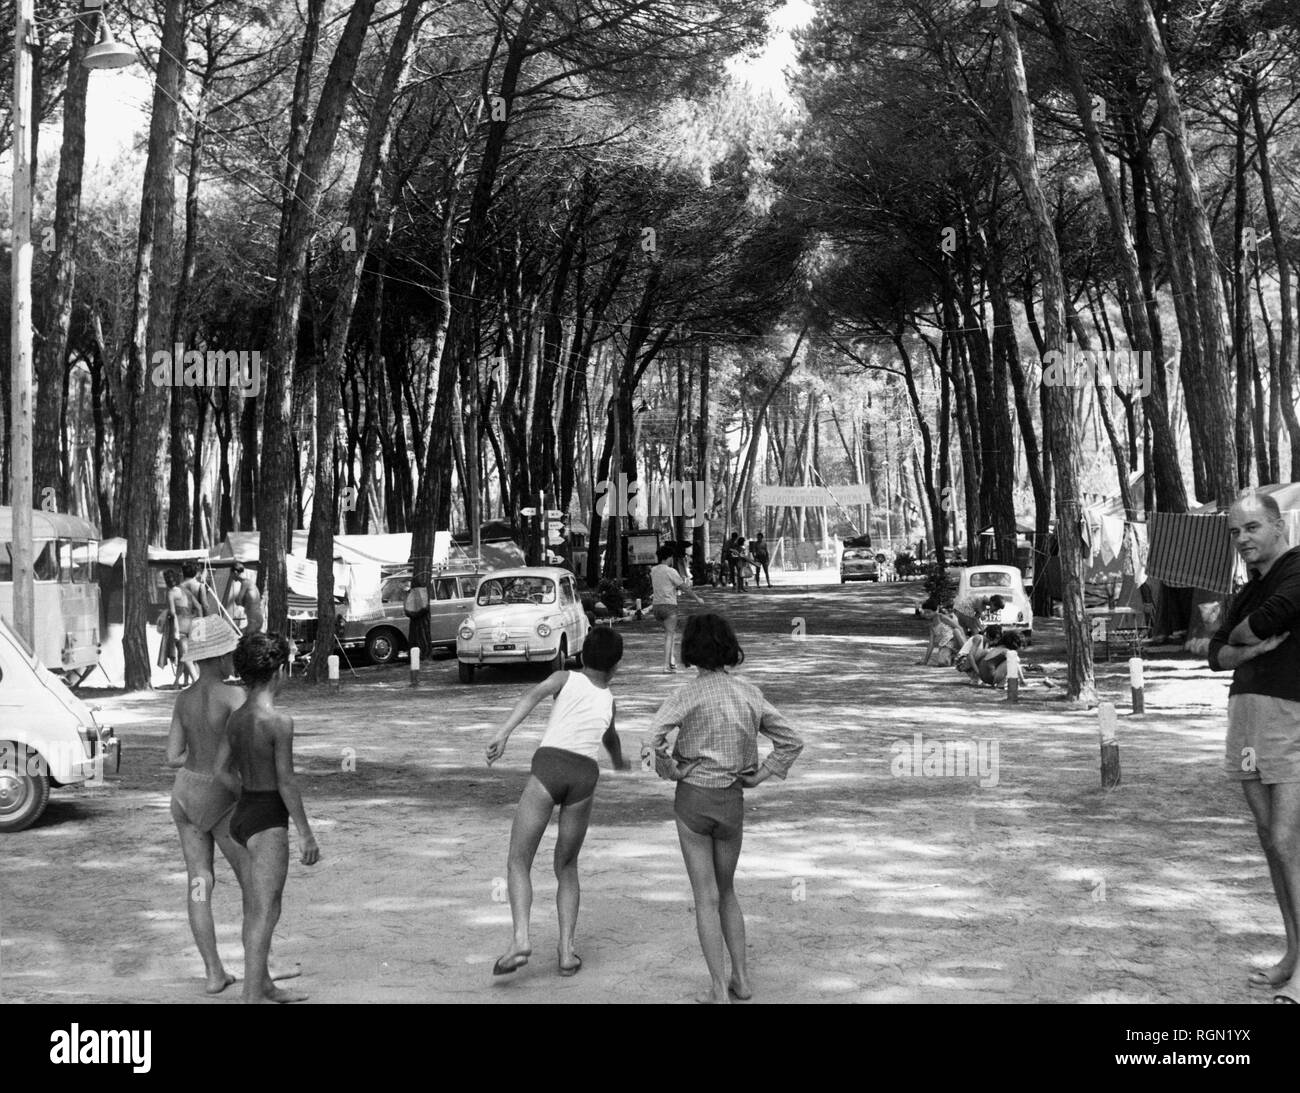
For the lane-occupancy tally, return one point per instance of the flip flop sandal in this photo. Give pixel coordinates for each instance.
(517, 962)
(572, 969)
(1288, 992)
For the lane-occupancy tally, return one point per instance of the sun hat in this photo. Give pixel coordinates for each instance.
(211, 637)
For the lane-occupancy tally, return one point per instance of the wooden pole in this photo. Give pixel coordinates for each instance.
(1108, 726)
(20, 345)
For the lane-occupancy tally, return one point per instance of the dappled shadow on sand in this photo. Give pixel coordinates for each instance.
(867, 876)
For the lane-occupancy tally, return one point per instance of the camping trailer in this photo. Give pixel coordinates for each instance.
(67, 595)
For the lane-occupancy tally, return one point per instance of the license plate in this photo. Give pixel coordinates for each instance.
(498, 648)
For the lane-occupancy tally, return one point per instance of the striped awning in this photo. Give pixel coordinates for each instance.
(1191, 551)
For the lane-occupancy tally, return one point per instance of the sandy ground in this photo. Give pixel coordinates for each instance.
(858, 885)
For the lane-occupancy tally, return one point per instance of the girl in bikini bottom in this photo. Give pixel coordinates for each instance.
(257, 810)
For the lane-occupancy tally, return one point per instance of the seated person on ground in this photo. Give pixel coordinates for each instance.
(945, 633)
(984, 657)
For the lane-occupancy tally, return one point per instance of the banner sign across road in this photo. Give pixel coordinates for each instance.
(812, 496)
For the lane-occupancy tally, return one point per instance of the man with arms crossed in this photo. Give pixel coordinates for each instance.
(1263, 743)
(259, 745)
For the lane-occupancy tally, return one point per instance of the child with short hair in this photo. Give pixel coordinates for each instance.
(564, 773)
(258, 747)
(718, 717)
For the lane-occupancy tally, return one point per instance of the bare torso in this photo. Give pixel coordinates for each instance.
(204, 710)
(252, 730)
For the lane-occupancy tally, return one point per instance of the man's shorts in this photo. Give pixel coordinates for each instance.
(1263, 741)
(717, 813)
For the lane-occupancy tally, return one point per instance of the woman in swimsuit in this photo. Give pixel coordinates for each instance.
(181, 608)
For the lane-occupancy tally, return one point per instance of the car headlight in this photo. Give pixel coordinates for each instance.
(466, 631)
(543, 630)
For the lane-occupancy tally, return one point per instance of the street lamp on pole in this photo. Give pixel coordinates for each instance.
(107, 53)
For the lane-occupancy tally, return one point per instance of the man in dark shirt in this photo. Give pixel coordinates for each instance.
(1263, 743)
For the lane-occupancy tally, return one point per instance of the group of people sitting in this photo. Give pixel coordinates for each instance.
(976, 645)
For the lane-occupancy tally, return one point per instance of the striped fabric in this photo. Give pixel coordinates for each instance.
(1191, 551)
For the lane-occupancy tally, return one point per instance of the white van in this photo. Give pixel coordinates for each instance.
(48, 736)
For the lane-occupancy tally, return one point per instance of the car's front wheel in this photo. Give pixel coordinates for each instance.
(465, 672)
(561, 659)
(24, 786)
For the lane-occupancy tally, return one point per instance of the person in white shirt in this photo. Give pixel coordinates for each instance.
(668, 584)
(564, 773)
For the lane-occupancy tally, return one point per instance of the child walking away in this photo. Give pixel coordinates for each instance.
(718, 717)
(259, 746)
(668, 584)
(564, 773)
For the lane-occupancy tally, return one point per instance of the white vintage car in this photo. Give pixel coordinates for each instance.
(48, 736)
(977, 584)
(530, 615)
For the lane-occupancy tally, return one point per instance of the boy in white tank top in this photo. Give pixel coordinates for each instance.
(564, 773)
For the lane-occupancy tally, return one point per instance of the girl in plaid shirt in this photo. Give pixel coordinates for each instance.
(718, 717)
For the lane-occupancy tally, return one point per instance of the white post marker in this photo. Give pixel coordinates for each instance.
(415, 665)
(332, 665)
(1013, 676)
(1135, 683)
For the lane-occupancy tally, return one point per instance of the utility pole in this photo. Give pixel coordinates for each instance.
(20, 344)
(616, 480)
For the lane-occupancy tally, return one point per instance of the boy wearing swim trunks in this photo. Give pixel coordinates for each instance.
(201, 803)
(718, 717)
(564, 773)
(259, 746)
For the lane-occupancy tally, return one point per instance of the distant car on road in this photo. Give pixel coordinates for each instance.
(977, 584)
(858, 564)
(529, 615)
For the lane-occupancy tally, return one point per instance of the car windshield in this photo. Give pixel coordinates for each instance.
(990, 580)
(521, 589)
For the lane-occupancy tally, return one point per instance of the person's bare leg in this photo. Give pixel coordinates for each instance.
(268, 853)
(726, 853)
(197, 848)
(238, 859)
(1259, 798)
(573, 829)
(1284, 834)
(531, 817)
(670, 633)
(697, 853)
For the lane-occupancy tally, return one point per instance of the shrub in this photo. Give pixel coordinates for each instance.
(940, 584)
(610, 593)
(905, 565)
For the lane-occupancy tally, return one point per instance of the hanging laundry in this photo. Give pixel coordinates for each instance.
(1111, 538)
(1191, 551)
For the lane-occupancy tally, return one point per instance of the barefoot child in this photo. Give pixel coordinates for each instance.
(564, 773)
(718, 717)
(259, 745)
(201, 803)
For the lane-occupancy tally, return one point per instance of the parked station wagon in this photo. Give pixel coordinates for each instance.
(530, 615)
(387, 634)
